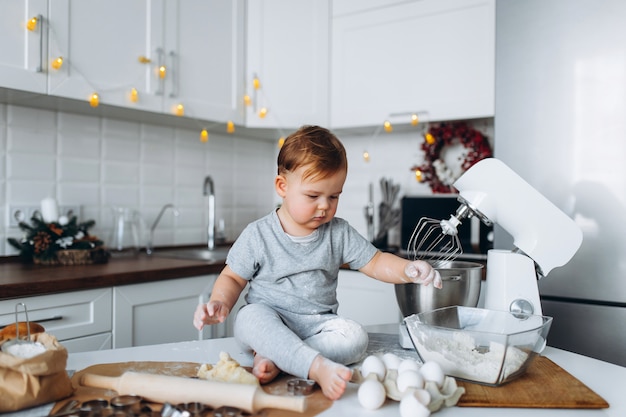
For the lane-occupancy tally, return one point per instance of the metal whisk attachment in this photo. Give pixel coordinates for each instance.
(436, 241)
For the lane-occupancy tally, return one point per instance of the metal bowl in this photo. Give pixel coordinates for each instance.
(461, 287)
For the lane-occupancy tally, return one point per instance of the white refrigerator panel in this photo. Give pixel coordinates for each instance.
(561, 124)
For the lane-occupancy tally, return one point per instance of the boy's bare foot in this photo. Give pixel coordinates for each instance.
(331, 376)
(264, 369)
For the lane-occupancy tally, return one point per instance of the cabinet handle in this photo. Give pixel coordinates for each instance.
(174, 71)
(53, 318)
(40, 66)
(160, 72)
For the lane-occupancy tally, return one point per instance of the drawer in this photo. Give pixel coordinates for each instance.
(66, 315)
(91, 343)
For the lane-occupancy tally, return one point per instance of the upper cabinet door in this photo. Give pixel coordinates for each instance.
(23, 56)
(287, 50)
(203, 47)
(436, 56)
(102, 44)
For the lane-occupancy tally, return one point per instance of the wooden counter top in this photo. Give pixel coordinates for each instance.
(22, 280)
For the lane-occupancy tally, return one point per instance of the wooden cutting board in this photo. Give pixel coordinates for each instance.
(316, 402)
(544, 385)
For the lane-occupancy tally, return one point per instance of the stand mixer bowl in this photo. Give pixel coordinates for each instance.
(461, 287)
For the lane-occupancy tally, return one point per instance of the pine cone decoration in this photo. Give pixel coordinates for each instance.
(41, 242)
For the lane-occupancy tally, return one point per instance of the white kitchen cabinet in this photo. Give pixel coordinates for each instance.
(195, 41)
(366, 300)
(23, 57)
(436, 56)
(80, 320)
(160, 312)
(287, 48)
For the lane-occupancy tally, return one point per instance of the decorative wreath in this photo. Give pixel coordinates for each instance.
(434, 170)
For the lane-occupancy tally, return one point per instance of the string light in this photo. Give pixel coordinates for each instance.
(419, 175)
(230, 127)
(94, 100)
(57, 63)
(263, 112)
(281, 141)
(388, 127)
(31, 25)
(204, 136)
(179, 110)
(366, 156)
(256, 83)
(162, 71)
(247, 100)
(414, 119)
(144, 60)
(134, 95)
(429, 138)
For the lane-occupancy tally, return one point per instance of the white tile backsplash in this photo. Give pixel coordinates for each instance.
(101, 162)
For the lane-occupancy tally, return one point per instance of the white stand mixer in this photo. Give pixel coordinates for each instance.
(544, 236)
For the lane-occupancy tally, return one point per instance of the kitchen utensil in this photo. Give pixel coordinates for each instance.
(544, 236)
(479, 345)
(461, 286)
(175, 390)
(435, 240)
(20, 346)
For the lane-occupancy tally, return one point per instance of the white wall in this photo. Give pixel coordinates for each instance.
(100, 162)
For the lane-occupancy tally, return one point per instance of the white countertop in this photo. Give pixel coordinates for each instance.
(606, 379)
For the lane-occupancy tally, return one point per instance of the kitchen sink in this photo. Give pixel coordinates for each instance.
(198, 254)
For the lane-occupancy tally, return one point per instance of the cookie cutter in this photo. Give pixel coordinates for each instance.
(300, 386)
(226, 411)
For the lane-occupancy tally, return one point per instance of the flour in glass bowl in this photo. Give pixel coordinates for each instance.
(24, 350)
(460, 356)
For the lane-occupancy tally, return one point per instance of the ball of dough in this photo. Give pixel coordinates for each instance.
(371, 394)
(373, 364)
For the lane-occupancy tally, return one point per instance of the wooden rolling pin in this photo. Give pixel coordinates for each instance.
(176, 390)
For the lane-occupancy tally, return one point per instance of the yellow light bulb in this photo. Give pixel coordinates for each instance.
(144, 59)
(57, 63)
(414, 120)
(180, 110)
(430, 139)
(419, 175)
(162, 71)
(388, 126)
(134, 95)
(204, 136)
(230, 127)
(31, 25)
(256, 83)
(94, 100)
(366, 156)
(247, 100)
(281, 141)
(263, 112)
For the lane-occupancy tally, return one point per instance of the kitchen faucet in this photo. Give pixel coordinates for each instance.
(209, 190)
(149, 246)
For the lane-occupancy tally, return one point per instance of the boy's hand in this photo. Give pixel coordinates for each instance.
(212, 312)
(420, 272)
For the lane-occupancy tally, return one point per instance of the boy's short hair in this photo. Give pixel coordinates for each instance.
(312, 146)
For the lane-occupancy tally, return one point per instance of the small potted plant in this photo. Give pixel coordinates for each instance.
(63, 242)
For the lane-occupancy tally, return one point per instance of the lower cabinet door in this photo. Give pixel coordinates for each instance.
(100, 341)
(158, 312)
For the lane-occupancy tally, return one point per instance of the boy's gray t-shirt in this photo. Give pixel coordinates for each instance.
(294, 277)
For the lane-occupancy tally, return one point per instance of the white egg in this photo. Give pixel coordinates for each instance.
(409, 378)
(373, 364)
(391, 360)
(407, 364)
(371, 394)
(411, 405)
(431, 371)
